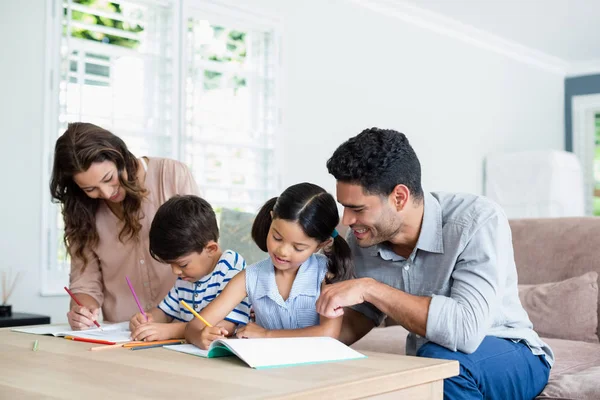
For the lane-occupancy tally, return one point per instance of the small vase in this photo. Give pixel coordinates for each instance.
(5, 310)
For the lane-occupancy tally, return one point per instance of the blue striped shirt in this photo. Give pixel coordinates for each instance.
(298, 311)
(200, 293)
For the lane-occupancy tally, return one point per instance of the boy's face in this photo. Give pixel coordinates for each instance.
(194, 266)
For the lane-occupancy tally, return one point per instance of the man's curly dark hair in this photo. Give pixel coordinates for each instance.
(378, 160)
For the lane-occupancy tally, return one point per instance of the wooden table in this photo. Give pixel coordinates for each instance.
(63, 369)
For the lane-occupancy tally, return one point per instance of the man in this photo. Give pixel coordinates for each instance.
(440, 264)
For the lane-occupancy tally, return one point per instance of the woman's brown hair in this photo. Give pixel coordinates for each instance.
(81, 145)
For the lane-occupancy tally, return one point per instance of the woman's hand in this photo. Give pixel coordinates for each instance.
(210, 334)
(251, 330)
(81, 317)
(139, 319)
(151, 331)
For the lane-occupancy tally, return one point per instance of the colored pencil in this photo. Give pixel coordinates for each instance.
(113, 346)
(141, 344)
(35, 346)
(186, 305)
(80, 305)
(136, 298)
(150, 346)
(97, 341)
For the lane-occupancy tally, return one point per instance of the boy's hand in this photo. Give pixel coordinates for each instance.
(210, 334)
(152, 331)
(138, 319)
(251, 330)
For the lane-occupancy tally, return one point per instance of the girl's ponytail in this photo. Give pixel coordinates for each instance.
(340, 264)
(262, 224)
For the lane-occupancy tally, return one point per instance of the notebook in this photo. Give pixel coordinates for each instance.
(276, 352)
(117, 333)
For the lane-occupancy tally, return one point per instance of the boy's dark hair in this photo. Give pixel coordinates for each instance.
(378, 160)
(182, 225)
(316, 212)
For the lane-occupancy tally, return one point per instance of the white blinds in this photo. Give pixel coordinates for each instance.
(230, 109)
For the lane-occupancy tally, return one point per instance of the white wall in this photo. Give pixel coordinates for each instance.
(22, 25)
(355, 69)
(346, 69)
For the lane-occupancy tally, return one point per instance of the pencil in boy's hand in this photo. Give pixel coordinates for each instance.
(81, 305)
(35, 346)
(186, 305)
(136, 298)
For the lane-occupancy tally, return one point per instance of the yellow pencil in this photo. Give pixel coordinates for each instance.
(35, 346)
(186, 305)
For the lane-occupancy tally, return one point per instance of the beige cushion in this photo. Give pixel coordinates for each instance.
(564, 310)
(580, 386)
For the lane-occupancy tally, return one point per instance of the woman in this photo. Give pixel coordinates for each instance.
(109, 198)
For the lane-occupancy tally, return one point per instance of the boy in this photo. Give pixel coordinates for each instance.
(184, 233)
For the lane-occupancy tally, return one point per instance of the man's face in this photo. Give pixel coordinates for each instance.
(372, 218)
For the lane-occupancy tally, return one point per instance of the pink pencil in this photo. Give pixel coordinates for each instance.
(136, 298)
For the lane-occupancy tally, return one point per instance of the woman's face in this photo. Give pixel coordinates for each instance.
(101, 181)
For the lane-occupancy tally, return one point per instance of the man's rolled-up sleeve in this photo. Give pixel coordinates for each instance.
(461, 321)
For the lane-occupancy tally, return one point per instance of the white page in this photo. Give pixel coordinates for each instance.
(188, 349)
(44, 329)
(265, 353)
(110, 332)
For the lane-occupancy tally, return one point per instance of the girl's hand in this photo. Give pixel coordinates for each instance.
(152, 331)
(210, 334)
(81, 317)
(138, 319)
(252, 330)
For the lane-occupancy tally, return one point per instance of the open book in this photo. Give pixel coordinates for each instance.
(117, 333)
(276, 352)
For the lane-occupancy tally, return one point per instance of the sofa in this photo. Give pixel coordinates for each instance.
(558, 261)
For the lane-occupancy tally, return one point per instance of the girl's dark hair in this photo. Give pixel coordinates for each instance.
(182, 225)
(81, 145)
(316, 212)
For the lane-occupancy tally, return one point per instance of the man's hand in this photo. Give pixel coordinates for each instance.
(336, 296)
(251, 330)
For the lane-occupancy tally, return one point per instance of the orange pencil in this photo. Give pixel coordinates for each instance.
(190, 309)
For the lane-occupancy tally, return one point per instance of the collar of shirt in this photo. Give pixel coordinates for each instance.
(304, 283)
(430, 237)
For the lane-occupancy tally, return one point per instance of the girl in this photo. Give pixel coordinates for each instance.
(283, 288)
(108, 199)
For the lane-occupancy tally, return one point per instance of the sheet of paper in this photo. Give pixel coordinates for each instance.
(44, 329)
(111, 332)
(188, 349)
(266, 353)
(279, 352)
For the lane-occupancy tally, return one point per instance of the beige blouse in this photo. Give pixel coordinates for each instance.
(105, 281)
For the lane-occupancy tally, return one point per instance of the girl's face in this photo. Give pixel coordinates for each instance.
(101, 181)
(288, 245)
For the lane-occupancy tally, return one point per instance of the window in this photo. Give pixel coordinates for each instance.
(173, 79)
(230, 110)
